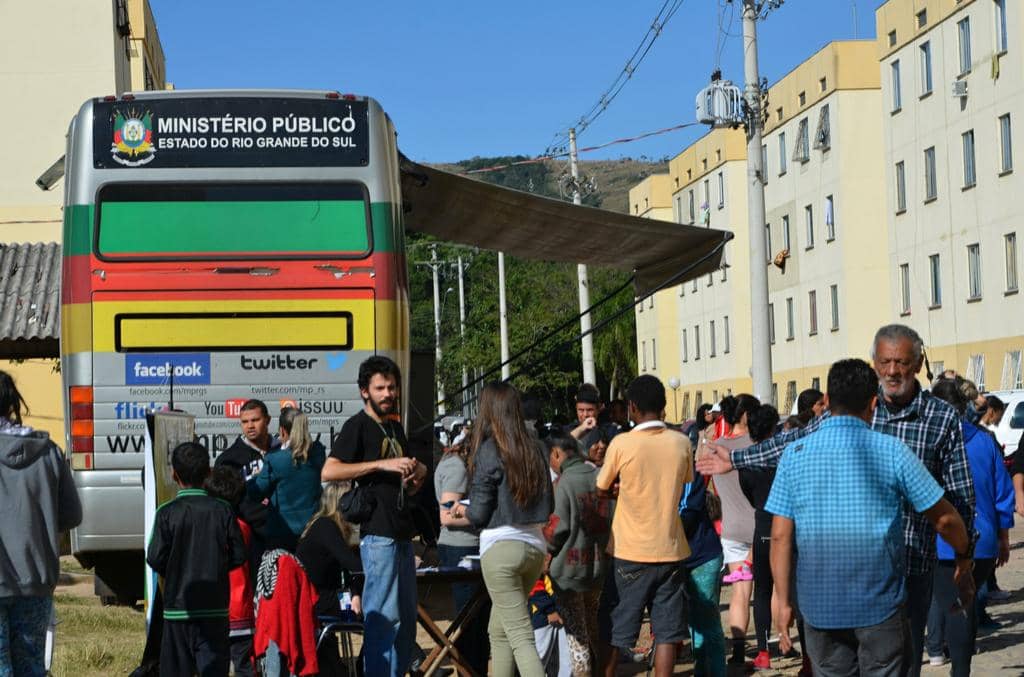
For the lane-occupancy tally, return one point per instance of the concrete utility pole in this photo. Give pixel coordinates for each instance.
(506, 369)
(434, 266)
(587, 347)
(462, 335)
(761, 353)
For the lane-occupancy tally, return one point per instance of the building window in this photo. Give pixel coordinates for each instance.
(696, 342)
(812, 312)
(1012, 377)
(711, 279)
(892, 38)
(904, 289)
(935, 274)
(707, 194)
(809, 222)
(790, 396)
(764, 164)
(816, 383)
(725, 333)
(721, 189)
(790, 320)
(964, 34)
(822, 84)
(938, 367)
(830, 218)
(931, 185)
(654, 354)
(901, 187)
(803, 99)
(1005, 144)
(699, 399)
(823, 135)
(926, 68)
(976, 371)
(771, 323)
(802, 152)
(693, 212)
(1010, 245)
(712, 339)
(775, 395)
(650, 301)
(970, 176)
(686, 405)
(922, 18)
(768, 241)
(778, 113)
(897, 97)
(1001, 36)
(643, 353)
(974, 271)
(833, 292)
(686, 357)
(786, 242)
(694, 288)
(782, 153)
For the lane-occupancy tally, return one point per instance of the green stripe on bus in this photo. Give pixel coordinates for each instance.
(77, 230)
(78, 221)
(232, 227)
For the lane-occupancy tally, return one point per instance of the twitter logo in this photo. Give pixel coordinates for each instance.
(336, 361)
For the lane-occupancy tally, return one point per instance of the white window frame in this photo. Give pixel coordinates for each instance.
(787, 242)
(725, 331)
(721, 190)
(1002, 38)
(809, 225)
(830, 218)
(963, 31)
(895, 83)
(931, 181)
(643, 355)
(901, 187)
(696, 342)
(1010, 262)
(976, 370)
(693, 208)
(1005, 144)
(823, 135)
(904, 273)
(812, 312)
(782, 153)
(935, 281)
(1012, 378)
(713, 340)
(833, 292)
(764, 163)
(925, 52)
(969, 156)
(802, 150)
(654, 354)
(771, 323)
(686, 357)
(790, 320)
(974, 273)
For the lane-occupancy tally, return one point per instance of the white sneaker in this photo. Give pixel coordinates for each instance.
(936, 661)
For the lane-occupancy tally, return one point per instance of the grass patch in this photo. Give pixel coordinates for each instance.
(93, 640)
(70, 565)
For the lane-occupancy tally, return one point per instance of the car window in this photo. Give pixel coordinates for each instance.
(1017, 421)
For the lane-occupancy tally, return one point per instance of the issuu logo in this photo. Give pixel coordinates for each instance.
(158, 368)
(277, 362)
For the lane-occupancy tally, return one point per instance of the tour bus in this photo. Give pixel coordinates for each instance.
(218, 246)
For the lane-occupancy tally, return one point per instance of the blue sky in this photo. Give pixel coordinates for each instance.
(462, 79)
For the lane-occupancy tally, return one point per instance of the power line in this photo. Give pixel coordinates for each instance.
(668, 9)
(553, 156)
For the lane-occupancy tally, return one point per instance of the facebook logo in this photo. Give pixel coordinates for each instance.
(156, 369)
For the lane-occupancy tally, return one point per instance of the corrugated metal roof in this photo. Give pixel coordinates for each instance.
(30, 300)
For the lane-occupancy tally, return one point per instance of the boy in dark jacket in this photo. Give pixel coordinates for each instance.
(577, 535)
(194, 544)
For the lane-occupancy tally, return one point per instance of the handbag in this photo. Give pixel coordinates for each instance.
(357, 504)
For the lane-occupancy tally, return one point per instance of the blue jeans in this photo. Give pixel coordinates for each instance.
(23, 623)
(389, 605)
(703, 585)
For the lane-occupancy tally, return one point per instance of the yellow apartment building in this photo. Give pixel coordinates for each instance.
(825, 209)
(55, 55)
(952, 90)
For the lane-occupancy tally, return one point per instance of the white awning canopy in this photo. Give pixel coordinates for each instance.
(465, 211)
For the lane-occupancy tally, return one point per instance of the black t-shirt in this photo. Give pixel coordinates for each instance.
(361, 440)
(324, 554)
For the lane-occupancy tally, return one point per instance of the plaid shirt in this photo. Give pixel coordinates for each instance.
(931, 428)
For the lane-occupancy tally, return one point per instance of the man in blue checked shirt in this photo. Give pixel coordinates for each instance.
(926, 424)
(850, 573)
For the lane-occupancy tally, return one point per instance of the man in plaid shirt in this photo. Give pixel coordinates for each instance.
(930, 427)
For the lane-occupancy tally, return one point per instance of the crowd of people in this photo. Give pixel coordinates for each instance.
(583, 532)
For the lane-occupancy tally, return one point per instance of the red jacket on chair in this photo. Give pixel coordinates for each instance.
(288, 619)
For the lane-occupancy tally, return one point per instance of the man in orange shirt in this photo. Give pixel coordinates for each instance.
(651, 463)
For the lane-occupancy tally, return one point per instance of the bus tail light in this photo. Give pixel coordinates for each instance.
(82, 428)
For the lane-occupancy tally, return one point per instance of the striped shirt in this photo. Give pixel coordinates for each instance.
(931, 428)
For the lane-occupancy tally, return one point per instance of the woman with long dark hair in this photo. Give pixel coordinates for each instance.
(510, 499)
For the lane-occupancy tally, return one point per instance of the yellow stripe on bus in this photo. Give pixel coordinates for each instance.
(212, 332)
(197, 331)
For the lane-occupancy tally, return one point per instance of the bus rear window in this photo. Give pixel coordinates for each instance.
(234, 221)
